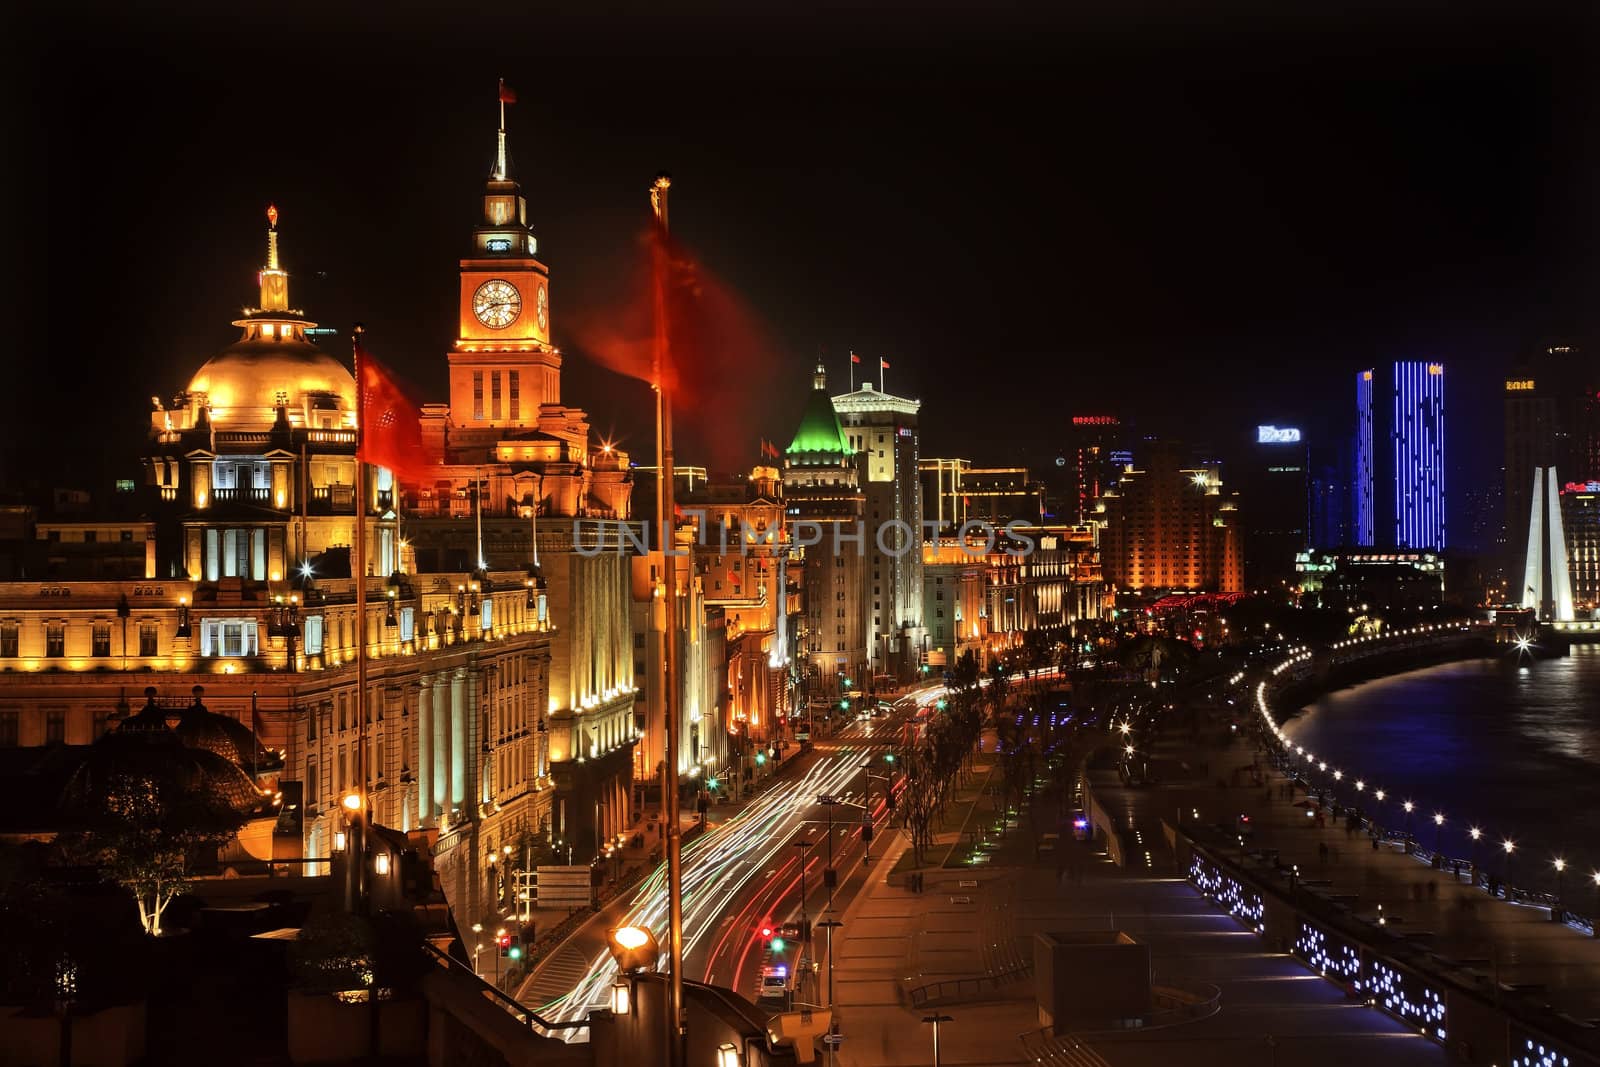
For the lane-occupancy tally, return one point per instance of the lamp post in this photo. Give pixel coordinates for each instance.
(829, 878)
(936, 1018)
(1476, 834)
(1510, 848)
(1438, 831)
(1560, 865)
(477, 928)
(830, 925)
(1409, 807)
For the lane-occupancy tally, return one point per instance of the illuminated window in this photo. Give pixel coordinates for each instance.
(8, 640)
(228, 637)
(313, 630)
(55, 639)
(55, 726)
(477, 394)
(147, 638)
(102, 640)
(515, 386)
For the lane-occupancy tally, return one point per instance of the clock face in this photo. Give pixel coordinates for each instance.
(544, 308)
(497, 303)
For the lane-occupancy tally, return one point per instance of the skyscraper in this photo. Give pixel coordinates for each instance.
(1399, 482)
(882, 431)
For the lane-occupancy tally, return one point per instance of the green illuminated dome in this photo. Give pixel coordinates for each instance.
(819, 437)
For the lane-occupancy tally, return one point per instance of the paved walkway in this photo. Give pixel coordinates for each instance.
(894, 939)
(1431, 917)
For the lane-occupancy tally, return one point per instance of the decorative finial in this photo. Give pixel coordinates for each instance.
(658, 197)
(272, 237)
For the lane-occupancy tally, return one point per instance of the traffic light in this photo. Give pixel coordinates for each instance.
(888, 757)
(777, 944)
(503, 942)
(515, 952)
(866, 833)
(845, 704)
(941, 704)
(766, 932)
(711, 783)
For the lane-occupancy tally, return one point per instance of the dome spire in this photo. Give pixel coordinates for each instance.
(274, 279)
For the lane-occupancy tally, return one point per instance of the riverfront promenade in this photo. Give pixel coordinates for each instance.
(1509, 956)
(974, 920)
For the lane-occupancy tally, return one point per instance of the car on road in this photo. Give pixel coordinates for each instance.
(774, 983)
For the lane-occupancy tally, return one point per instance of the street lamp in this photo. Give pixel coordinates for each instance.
(1560, 865)
(1438, 830)
(1510, 847)
(633, 948)
(830, 925)
(477, 928)
(936, 1018)
(1410, 807)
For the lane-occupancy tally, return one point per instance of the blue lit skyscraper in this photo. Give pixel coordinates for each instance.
(1365, 516)
(1419, 455)
(1400, 444)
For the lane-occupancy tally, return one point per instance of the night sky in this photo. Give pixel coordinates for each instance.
(1196, 223)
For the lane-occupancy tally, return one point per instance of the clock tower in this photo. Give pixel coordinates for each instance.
(503, 368)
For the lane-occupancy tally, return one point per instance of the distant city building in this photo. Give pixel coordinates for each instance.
(1580, 510)
(881, 429)
(1399, 490)
(1277, 494)
(821, 487)
(1362, 582)
(1095, 459)
(1552, 418)
(955, 492)
(1169, 525)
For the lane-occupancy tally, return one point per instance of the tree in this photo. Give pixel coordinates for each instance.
(149, 830)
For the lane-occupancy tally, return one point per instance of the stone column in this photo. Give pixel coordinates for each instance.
(441, 742)
(460, 710)
(424, 734)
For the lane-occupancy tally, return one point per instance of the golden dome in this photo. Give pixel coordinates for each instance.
(245, 383)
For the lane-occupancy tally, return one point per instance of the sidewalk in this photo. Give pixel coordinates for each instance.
(1431, 918)
(894, 940)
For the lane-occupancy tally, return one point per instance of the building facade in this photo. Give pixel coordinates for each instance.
(825, 505)
(881, 430)
(1277, 489)
(1400, 475)
(1170, 525)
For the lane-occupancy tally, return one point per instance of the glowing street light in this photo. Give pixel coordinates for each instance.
(1560, 865)
(1438, 830)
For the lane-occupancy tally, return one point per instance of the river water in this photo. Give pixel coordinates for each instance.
(1513, 748)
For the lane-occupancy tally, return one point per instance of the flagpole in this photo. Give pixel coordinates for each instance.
(677, 1053)
(881, 369)
(358, 570)
(852, 370)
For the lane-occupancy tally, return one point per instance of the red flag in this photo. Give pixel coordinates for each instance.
(389, 423)
(883, 363)
(854, 358)
(508, 95)
(682, 323)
